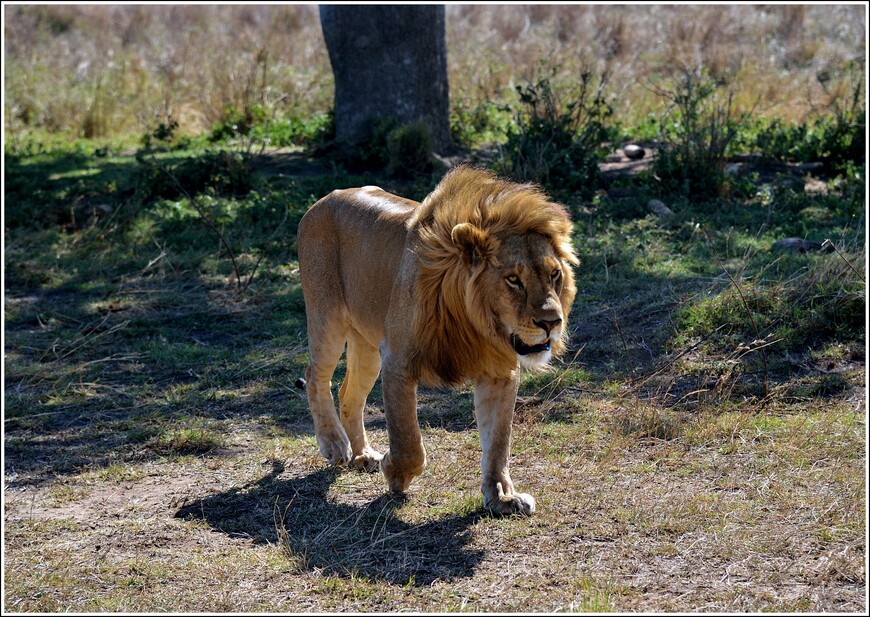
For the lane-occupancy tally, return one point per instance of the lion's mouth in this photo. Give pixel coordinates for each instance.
(524, 350)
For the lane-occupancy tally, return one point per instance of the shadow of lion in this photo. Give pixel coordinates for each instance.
(366, 540)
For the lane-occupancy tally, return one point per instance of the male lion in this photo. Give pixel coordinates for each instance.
(467, 285)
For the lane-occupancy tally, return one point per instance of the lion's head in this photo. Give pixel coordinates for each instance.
(495, 280)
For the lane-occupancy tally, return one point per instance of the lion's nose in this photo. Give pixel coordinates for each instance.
(548, 324)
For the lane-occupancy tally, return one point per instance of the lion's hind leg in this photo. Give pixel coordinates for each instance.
(363, 366)
(326, 340)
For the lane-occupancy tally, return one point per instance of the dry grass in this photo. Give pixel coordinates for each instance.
(125, 68)
(644, 504)
(194, 485)
(776, 51)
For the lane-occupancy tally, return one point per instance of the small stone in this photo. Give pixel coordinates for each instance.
(634, 152)
(300, 383)
(658, 207)
(796, 244)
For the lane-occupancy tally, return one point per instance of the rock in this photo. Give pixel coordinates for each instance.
(613, 158)
(812, 186)
(804, 168)
(658, 207)
(796, 244)
(634, 152)
(300, 383)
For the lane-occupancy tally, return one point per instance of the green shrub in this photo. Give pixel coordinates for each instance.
(221, 173)
(238, 122)
(163, 133)
(836, 137)
(283, 132)
(402, 149)
(409, 149)
(261, 127)
(556, 144)
(482, 124)
(374, 151)
(836, 140)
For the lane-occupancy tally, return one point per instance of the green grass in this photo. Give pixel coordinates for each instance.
(187, 440)
(159, 456)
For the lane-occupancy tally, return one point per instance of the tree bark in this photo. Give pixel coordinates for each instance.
(388, 62)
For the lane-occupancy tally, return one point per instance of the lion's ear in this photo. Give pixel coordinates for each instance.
(474, 244)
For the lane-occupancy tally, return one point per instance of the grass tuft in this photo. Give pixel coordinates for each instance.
(187, 440)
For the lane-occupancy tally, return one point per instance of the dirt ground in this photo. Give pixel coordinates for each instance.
(642, 525)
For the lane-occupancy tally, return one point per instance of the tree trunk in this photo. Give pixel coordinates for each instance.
(388, 62)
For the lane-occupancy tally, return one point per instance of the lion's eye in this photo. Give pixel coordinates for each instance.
(514, 281)
(555, 275)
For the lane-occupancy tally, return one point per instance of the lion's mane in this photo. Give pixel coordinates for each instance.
(456, 336)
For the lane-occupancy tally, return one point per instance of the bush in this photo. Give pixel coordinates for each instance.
(836, 140)
(238, 123)
(221, 173)
(403, 149)
(373, 151)
(259, 126)
(837, 137)
(164, 133)
(556, 144)
(482, 124)
(409, 149)
(313, 131)
(697, 130)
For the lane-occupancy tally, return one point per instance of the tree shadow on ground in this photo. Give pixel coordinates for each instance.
(365, 539)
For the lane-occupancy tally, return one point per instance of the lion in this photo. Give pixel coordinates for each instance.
(467, 286)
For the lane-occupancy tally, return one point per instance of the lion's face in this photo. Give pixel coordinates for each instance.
(518, 290)
(525, 282)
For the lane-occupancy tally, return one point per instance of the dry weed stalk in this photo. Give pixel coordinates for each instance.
(828, 244)
(624, 350)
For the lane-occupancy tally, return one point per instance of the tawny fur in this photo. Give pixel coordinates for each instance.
(463, 287)
(455, 335)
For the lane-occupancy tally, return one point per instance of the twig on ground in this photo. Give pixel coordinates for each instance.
(748, 311)
(624, 350)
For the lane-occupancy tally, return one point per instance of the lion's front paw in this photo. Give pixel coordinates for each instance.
(335, 447)
(369, 460)
(515, 503)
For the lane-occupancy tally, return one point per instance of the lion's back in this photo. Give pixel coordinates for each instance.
(350, 245)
